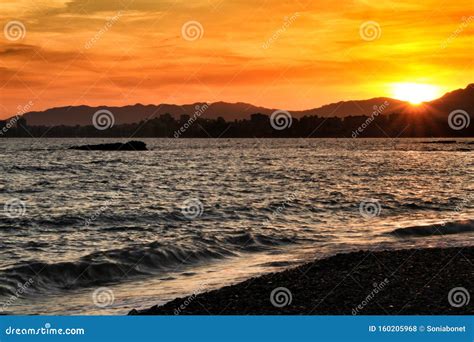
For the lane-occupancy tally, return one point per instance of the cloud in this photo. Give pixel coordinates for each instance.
(73, 53)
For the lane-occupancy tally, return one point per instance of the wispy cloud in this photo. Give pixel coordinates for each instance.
(143, 57)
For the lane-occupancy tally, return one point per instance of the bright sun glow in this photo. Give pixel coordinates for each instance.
(415, 93)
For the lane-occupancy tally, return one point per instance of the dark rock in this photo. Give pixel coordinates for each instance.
(128, 146)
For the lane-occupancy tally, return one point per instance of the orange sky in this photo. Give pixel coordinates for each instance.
(282, 54)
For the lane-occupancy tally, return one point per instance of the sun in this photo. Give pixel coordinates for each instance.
(415, 93)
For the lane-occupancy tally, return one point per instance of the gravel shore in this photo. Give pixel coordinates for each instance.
(434, 281)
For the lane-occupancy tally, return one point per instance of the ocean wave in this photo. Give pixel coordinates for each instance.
(48, 168)
(456, 227)
(104, 162)
(117, 265)
(254, 241)
(103, 267)
(412, 203)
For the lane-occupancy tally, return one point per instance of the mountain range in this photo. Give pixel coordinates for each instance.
(82, 115)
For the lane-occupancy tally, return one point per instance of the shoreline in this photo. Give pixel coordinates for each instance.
(399, 282)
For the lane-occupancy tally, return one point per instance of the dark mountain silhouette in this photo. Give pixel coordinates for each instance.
(448, 116)
(458, 99)
(82, 115)
(354, 108)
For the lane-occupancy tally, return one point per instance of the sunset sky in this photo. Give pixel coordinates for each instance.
(280, 54)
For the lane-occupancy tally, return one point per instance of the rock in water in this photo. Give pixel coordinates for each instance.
(128, 146)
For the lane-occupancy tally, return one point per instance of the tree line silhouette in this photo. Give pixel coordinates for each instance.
(257, 126)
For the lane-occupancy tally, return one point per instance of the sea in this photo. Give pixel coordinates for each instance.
(101, 232)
